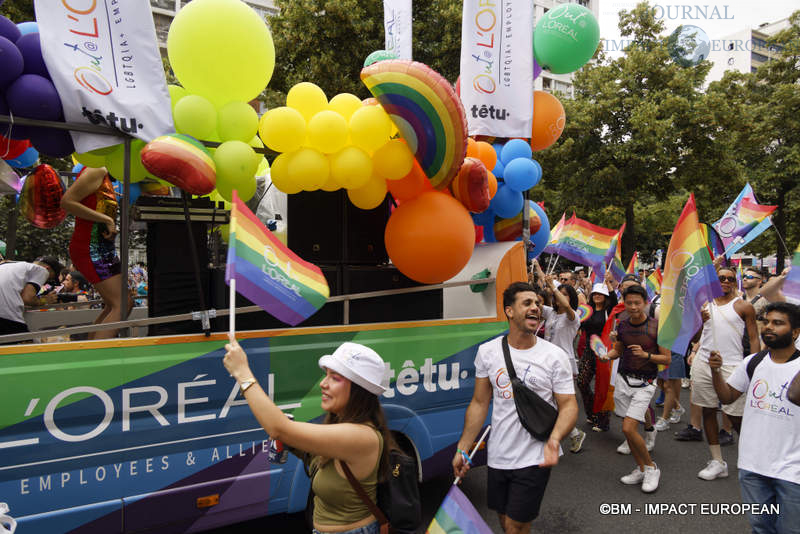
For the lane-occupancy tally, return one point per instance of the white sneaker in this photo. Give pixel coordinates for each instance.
(662, 424)
(650, 439)
(624, 448)
(577, 441)
(675, 416)
(652, 474)
(635, 477)
(714, 469)
(685, 383)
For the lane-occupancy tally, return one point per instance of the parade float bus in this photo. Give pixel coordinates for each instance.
(150, 434)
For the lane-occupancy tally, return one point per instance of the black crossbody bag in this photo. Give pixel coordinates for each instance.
(537, 415)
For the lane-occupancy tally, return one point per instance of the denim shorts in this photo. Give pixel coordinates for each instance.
(372, 528)
(676, 369)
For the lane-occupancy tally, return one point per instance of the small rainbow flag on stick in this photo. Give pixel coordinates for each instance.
(633, 266)
(791, 285)
(457, 515)
(270, 275)
(690, 281)
(653, 283)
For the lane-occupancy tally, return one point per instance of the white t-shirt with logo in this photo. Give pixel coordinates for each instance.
(769, 443)
(561, 332)
(546, 370)
(13, 278)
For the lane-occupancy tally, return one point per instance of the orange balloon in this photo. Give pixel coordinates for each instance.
(414, 184)
(492, 184)
(548, 120)
(472, 148)
(486, 154)
(369, 102)
(421, 246)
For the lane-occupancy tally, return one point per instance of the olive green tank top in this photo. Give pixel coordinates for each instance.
(335, 500)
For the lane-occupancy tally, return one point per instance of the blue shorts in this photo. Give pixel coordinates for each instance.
(676, 369)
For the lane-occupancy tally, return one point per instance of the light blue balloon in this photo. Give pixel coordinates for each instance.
(542, 236)
(506, 203)
(522, 174)
(78, 168)
(516, 148)
(26, 159)
(28, 27)
(499, 169)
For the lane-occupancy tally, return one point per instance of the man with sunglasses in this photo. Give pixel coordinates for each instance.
(752, 280)
(725, 321)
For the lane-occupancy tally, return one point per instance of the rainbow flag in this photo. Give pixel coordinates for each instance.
(690, 281)
(633, 266)
(653, 283)
(268, 273)
(744, 220)
(791, 285)
(555, 234)
(614, 256)
(456, 515)
(585, 243)
(739, 274)
(712, 239)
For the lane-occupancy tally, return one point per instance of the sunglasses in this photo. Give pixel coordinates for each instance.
(750, 277)
(563, 279)
(727, 278)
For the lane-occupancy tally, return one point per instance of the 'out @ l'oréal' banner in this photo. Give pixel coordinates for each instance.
(103, 58)
(497, 67)
(397, 26)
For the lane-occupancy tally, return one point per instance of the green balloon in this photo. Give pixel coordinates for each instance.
(195, 116)
(236, 168)
(379, 55)
(566, 37)
(237, 121)
(176, 92)
(115, 163)
(221, 49)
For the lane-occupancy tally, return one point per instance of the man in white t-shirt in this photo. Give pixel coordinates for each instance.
(20, 283)
(519, 464)
(769, 443)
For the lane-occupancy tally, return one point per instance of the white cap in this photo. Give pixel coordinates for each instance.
(600, 288)
(358, 364)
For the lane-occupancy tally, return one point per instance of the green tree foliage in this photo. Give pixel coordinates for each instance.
(32, 242)
(326, 41)
(18, 10)
(627, 136)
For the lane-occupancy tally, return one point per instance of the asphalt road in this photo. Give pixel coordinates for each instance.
(585, 494)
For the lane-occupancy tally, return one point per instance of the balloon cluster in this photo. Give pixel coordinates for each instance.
(222, 54)
(26, 90)
(328, 145)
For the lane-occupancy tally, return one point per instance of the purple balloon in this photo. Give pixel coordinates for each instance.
(11, 63)
(34, 97)
(8, 29)
(51, 142)
(31, 51)
(537, 70)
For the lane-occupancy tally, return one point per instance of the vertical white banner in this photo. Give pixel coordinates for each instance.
(397, 25)
(104, 61)
(497, 67)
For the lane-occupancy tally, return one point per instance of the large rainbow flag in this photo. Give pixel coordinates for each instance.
(712, 239)
(585, 243)
(456, 515)
(690, 281)
(653, 283)
(791, 285)
(268, 273)
(744, 220)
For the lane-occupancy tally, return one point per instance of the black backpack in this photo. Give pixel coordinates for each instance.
(755, 360)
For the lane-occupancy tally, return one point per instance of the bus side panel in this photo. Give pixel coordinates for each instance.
(109, 511)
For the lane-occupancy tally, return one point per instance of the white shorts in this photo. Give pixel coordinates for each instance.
(703, 392)
(630, 401)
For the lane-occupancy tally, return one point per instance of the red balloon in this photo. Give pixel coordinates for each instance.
(478, 234)
(471, 185)
(430, 238)
(13, 148)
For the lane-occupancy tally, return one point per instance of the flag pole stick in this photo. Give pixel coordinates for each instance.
(789, 254)
(232, 307)
(475, 449)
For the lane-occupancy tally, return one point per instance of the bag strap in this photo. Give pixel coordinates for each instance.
(755, 360)
(359, 489)
(507, 354)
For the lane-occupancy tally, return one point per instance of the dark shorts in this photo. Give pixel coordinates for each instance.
(517, 493)
(8, 327)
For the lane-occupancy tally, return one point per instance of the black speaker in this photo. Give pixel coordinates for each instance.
(171, 284)
(404, 307)
(326, 228)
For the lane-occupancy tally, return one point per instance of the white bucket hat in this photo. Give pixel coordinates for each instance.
(600, 288)
(358, 364)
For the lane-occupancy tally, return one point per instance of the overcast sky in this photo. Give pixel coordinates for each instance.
(730, 15)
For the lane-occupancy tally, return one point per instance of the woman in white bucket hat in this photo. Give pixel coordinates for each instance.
(354, 432)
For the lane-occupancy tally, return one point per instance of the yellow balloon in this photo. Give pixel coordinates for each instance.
(283, 129)
(279, 174)
(221, 50)
(345, 104)
(327, 132)
(330, 185)
(351, 167)
(393, 161)
(370, 196)
(309, 169)
(370, 127)
(263, 166)
(307, 98)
